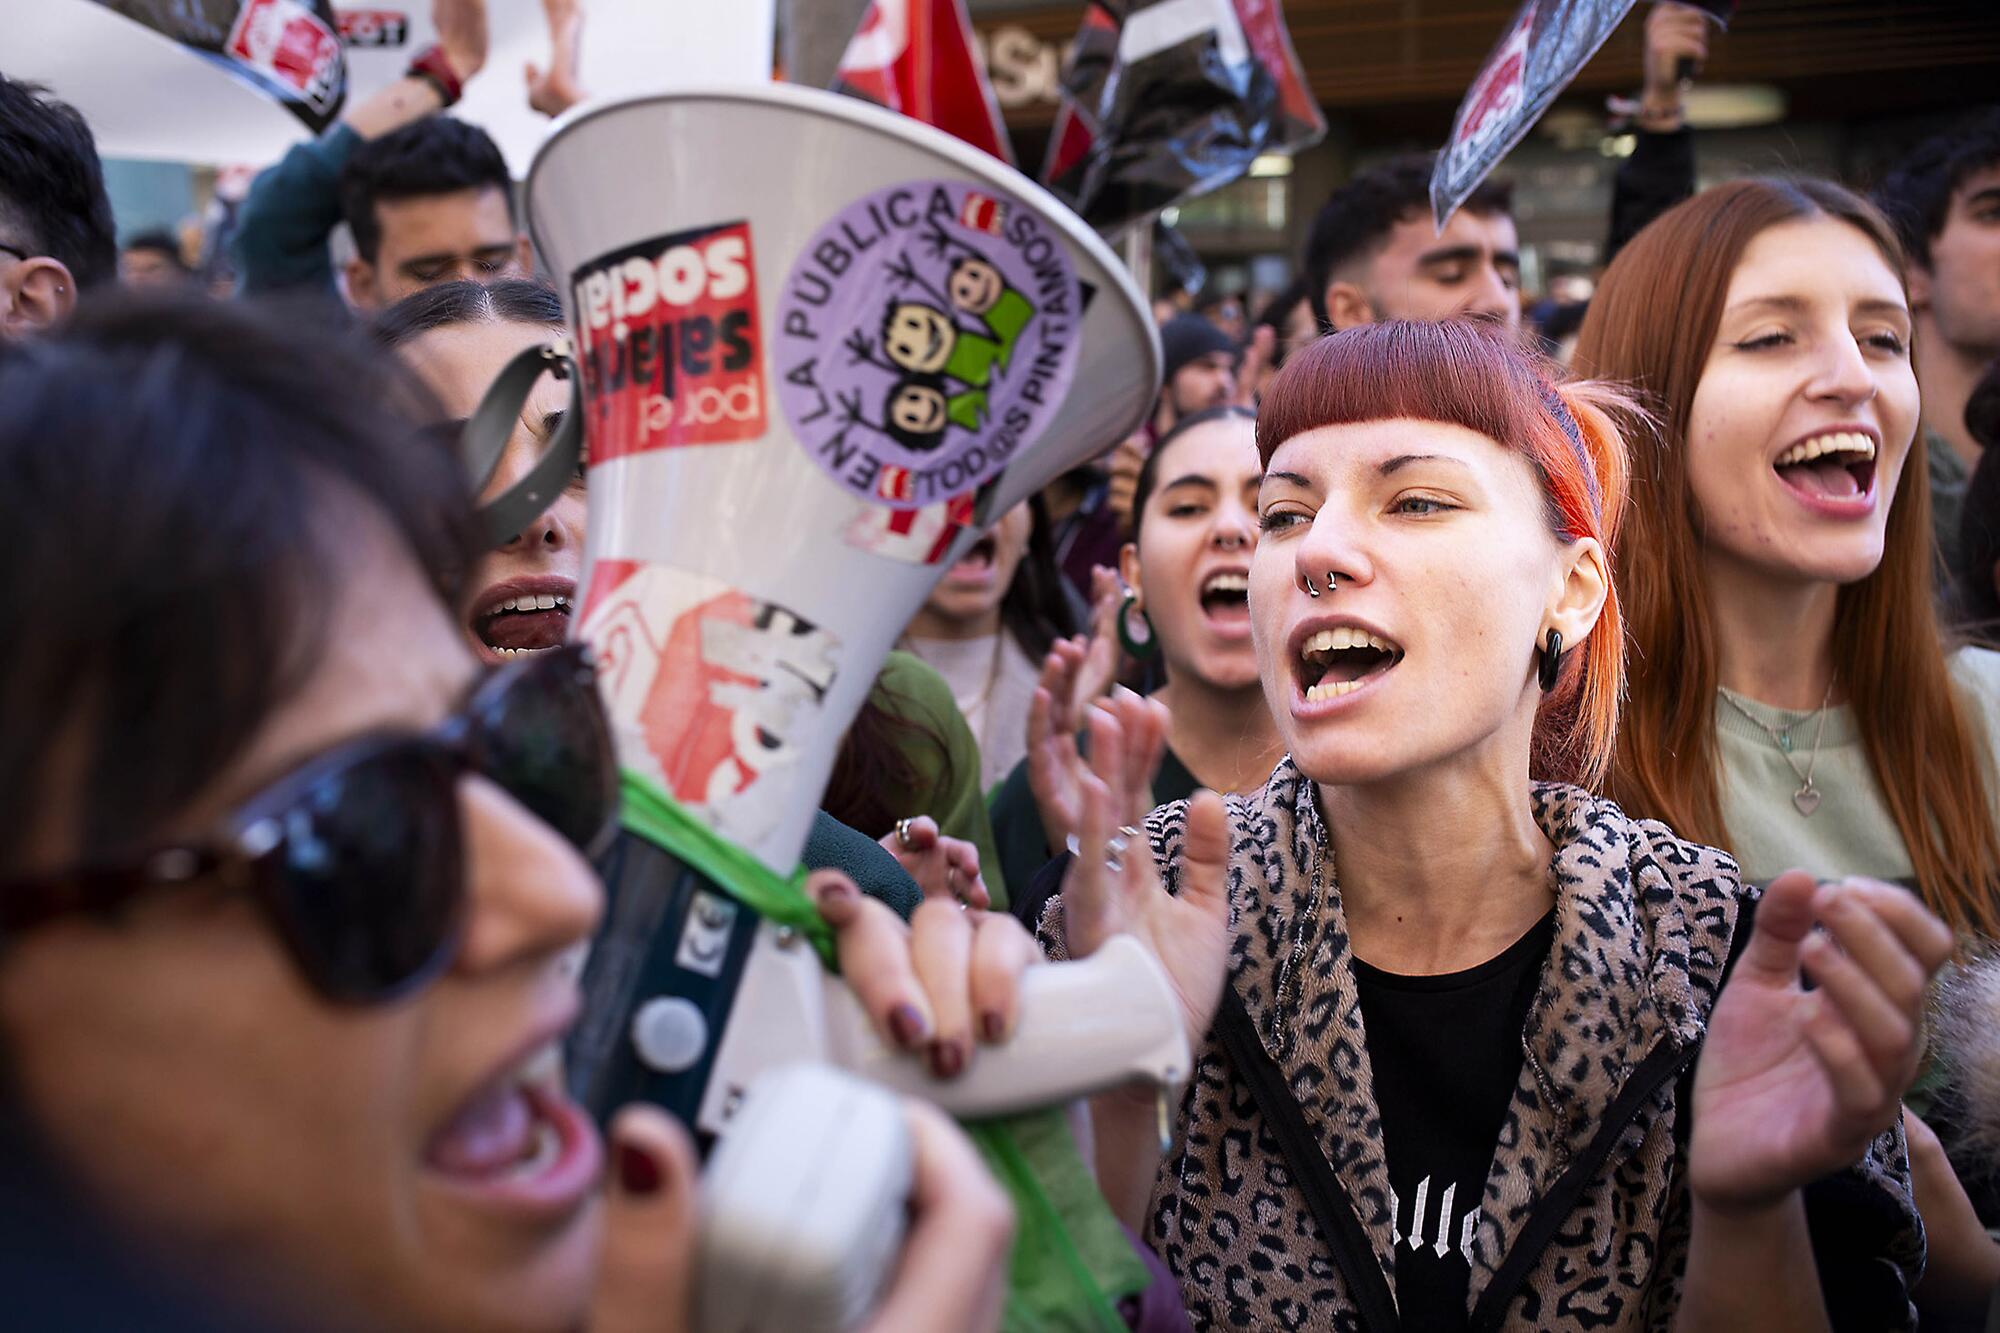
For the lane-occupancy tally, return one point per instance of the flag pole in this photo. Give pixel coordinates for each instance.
(1139, 255)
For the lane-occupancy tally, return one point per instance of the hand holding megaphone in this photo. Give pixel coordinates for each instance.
(734, 1249)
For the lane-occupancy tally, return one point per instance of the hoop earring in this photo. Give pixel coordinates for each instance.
(1552, 661)
(1143, 645)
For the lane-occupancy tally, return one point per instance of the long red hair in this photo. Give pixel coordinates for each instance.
(1651, 324)
(1463, 374)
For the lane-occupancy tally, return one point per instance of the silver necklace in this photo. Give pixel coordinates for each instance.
(1806, 798)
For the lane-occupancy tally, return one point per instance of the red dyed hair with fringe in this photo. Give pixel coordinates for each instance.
(1463, 374)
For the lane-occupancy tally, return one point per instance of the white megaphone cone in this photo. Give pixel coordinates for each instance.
(822, 347)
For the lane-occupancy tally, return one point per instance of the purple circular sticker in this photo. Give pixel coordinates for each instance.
(927, 334)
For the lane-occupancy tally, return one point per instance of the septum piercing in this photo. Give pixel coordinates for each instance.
(1314, 592)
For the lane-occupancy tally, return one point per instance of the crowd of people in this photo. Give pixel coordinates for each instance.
(1552, 759)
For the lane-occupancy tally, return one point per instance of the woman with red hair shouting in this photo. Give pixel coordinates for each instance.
(1480, 1049)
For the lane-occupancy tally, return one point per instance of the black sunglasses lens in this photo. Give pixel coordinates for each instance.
(372, 879)
(542, 736)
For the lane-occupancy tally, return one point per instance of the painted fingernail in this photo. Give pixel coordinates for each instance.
(947, 1059)
(992, 1027)
(906, 1024)
(832, 891)
(638, 1173)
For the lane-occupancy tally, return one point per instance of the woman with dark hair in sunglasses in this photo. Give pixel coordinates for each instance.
(294, 878)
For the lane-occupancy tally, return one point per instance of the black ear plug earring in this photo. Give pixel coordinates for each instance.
(1552, 661)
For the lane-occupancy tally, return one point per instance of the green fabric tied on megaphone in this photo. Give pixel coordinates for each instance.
(1071, 1261)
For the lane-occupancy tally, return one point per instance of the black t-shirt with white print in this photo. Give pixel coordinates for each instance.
(1445, 1052)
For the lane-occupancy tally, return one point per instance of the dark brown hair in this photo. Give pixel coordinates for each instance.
(173, 471)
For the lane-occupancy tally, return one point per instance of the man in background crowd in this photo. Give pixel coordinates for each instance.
(56, 236)
(1198, 368)
(153, 259)
(428, 199)
(1945, 201)
(1373, 252)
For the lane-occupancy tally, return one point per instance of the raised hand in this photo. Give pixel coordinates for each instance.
(1072, 679)
(1113, 887)
(1675, 33)
(556, 89)
(1102, 655)
(943, 867)
(461, 31)
(1793, 1084)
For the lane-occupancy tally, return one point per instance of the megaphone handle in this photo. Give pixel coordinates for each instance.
(1084, 1027)
(484, 441)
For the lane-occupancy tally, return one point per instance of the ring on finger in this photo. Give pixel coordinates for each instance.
(903, 834)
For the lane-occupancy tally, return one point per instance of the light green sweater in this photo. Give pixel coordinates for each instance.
(1850, 833)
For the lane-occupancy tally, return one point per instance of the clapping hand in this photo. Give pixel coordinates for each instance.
(1113, 887)
(1792, 1084)
(1075, 674)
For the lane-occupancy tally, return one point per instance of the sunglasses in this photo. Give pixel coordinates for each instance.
(358, 858)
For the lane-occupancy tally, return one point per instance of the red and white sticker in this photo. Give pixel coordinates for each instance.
(712, 693)
(288, 43)
(670, 346)
(920, 536)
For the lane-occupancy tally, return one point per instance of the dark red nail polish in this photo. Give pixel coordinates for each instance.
(906, 1024)
(638, 1173)
(947, 1059)
(992, 1027)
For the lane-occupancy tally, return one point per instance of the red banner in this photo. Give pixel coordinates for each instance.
(916, 57)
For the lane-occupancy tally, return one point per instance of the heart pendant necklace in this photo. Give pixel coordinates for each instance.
(1806, 798)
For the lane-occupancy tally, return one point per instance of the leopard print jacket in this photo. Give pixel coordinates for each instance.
(1644, 923)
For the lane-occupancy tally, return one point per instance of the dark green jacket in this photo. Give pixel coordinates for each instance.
(291, 210)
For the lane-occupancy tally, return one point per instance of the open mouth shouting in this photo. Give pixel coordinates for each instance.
(1225, 602)
(518, 616)
(518, 1142)
(1832, 472)
(975, 567)
(1335, 660)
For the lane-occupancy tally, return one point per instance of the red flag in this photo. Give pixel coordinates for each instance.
(916, 57)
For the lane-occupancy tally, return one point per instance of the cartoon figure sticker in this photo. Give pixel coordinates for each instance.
(669, 343)
(926, 335)
(711, 692)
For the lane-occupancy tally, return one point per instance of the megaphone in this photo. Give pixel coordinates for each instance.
(820, 347)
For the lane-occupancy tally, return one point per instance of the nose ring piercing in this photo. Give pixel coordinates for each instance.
(1310, 590)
